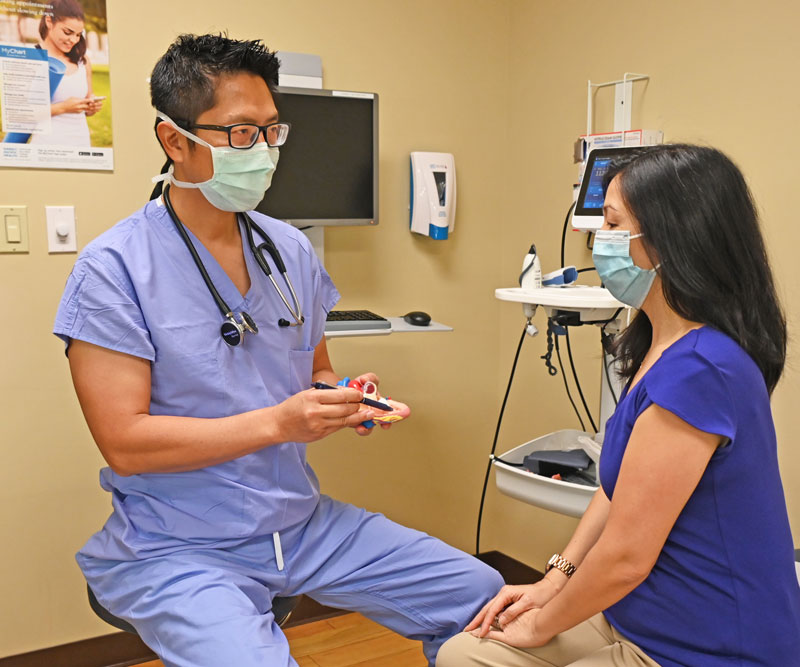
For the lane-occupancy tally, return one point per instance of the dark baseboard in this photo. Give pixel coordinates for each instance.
(119, 649)
(514, 572)
(122, 649)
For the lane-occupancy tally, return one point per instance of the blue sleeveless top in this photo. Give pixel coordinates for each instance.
(724, 589)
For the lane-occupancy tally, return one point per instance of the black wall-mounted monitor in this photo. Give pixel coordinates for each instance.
(327, 173)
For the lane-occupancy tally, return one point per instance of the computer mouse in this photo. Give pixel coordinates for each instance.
(417, 318)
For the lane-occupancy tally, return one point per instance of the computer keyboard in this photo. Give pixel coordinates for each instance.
(353, 320)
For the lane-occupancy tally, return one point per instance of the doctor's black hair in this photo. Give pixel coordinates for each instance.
(184, 80)
(700, 223)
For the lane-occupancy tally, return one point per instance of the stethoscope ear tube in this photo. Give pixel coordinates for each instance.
(223, 307)
(258, 253)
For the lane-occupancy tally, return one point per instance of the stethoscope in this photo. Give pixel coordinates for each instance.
(233, 330)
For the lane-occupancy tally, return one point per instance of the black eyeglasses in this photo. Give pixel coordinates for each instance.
(245, 135)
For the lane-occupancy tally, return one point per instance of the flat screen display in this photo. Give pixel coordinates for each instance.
(327, 173)
(591, 196)
(594, 196)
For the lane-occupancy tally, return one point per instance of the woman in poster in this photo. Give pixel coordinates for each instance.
(62, 36)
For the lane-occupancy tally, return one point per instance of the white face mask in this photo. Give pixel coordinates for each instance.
(628, 283)
(240, 179)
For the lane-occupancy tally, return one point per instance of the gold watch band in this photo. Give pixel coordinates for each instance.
(560, 563)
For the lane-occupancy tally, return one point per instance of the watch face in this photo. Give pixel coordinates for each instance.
(231, 333)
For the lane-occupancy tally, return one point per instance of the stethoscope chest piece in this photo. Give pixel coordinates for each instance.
(233, 331)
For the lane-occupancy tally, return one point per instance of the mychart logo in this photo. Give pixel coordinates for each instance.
(12, 51)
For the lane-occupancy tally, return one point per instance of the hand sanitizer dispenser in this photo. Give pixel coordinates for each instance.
(433, 194)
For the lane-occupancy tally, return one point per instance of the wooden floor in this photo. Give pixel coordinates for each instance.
(347, 641)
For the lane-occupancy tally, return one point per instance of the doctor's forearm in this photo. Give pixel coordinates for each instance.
(156, 443)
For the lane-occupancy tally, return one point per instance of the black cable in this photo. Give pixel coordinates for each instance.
(577, 381)
(564, 233)
(547, 356)
(528, 268)
(566, 386)
(508, 463)
(606, 341)
(608, 381)
(588, 268)
(494, 442)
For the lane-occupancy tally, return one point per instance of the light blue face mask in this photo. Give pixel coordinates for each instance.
(241, 177)
(627, 282)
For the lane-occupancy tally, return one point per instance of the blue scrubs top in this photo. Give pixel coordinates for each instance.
(135, 289)
(723, 590)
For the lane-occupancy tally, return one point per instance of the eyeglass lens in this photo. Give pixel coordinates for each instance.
(245, 135)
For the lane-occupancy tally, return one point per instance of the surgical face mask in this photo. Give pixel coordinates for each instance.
(241, 176)
(627, 282)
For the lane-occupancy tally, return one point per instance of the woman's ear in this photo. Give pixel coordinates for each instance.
(49, 23)
(173, 142)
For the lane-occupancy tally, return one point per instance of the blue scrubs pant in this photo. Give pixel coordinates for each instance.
(212, 607)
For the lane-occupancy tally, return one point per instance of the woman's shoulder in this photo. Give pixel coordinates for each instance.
(705, 355)
(711, 344)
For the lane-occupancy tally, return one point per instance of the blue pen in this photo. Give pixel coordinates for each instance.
(365, 401)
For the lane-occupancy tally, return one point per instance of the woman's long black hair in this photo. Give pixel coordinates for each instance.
(700, 223)
(66, 9)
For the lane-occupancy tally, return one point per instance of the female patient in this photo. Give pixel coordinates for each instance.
(684, 556)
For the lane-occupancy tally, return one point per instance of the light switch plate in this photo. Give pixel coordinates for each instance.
(14, 224)
(61, 234)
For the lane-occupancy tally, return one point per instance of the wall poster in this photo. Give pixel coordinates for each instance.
(55, 96)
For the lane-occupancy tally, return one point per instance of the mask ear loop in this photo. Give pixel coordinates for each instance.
(656, 267)
(159, 187)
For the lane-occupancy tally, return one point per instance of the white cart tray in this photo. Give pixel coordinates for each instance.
(562, 497)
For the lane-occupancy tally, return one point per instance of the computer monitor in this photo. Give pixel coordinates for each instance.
(328, 169)
(588, 213)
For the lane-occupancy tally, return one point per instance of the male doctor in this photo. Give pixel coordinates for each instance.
(215, 509)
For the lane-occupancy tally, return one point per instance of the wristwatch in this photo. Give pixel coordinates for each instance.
(560, 563)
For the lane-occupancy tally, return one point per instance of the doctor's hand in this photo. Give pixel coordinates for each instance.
(509, 604)
(313, 414)
(362, 379)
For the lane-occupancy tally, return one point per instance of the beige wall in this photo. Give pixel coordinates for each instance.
(722, 74)
(443, 69)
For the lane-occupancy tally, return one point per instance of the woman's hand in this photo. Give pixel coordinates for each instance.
(71, 105)
(95, 104)
(509, 604)
(522, 632)
(315, 413)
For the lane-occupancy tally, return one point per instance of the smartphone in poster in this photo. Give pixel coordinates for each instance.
(55, 104)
